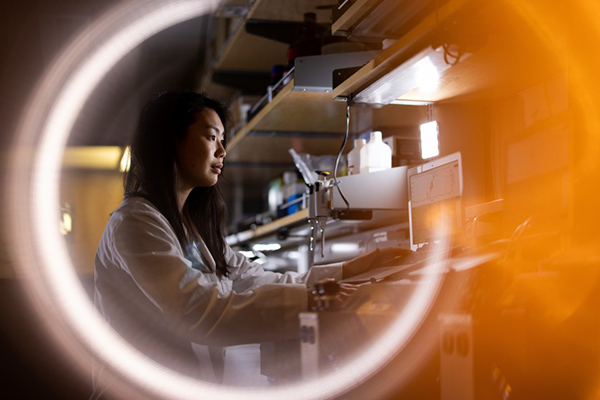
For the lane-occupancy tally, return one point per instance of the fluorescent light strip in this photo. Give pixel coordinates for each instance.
(410, 102)
(92, 157)
(266, 247)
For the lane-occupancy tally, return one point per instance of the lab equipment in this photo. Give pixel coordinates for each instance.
(353, 197)
(435, 199)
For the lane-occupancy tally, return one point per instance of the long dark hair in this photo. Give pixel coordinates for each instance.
(152, 174)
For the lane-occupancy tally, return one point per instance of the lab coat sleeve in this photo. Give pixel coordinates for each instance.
(248, 275)
(204, 310)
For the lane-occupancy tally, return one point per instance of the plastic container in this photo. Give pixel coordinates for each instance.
(354, 157)
(292, 190)
(375, 155)
(275, 195)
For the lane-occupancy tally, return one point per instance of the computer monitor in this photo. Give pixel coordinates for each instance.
(435, 199)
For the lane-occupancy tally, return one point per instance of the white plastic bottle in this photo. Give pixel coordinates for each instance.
(354, 157)
(375, 155)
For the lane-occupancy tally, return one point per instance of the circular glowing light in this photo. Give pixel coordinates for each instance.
(62, 94)
(46, 264)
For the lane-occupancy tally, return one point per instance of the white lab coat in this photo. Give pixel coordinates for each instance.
(162, 299)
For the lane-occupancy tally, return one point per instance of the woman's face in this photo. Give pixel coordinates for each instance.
(200, 152)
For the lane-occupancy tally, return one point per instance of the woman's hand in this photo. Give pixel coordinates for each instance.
(372, 260)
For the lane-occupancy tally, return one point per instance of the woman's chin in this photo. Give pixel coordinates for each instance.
(208, 184)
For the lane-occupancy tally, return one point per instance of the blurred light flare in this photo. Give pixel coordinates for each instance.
(125, 163)
(549, 25)
(66, 223)
(65, 288)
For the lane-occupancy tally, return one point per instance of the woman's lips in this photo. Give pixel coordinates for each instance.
(217, 168)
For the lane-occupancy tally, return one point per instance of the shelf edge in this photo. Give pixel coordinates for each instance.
(261, 114)
(354, 13)
(267, 229)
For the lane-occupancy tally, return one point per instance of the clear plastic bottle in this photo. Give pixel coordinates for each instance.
(375, 155)
(354, 157)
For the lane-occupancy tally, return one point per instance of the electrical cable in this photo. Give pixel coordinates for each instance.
(339, 156)
(343, 4)
(448, 54)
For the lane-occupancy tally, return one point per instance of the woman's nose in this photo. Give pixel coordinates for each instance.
(221, 150)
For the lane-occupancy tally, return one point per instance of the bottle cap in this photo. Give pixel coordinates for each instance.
(376, 135)
(359, 143)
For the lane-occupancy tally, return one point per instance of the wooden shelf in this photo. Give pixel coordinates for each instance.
(399, 52)
(508, 61)
(307, 122)
(245, 52)
(300, 230)
(268, 229)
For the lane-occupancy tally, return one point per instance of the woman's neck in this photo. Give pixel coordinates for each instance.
(182, 196)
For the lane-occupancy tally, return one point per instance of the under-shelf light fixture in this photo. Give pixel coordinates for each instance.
(427, 75)
(413, 82)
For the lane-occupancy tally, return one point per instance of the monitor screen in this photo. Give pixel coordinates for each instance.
(435, 199)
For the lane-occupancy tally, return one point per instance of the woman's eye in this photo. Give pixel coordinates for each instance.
(223, 142)
(212, 137)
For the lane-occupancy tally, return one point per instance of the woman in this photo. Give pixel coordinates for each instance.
(164, 275)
